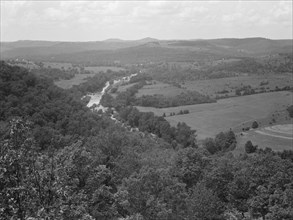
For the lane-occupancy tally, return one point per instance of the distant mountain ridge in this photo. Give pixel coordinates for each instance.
(146, 48)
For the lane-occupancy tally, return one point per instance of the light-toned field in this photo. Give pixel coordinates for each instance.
(123, 88)
(159, 88)
(78, 79)
(212, 118)
(212, 86)
(277, 137)
(98, 69)
(57, 65)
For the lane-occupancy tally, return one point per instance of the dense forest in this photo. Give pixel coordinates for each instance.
(221, 68)
(60, 160)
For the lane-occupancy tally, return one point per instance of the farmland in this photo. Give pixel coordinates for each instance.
(57, 65)
(218, 88)
(212, 118)
(159, 88)
(78, 78)
(212, 87)
(124, 87)
(277, 137)
(97, 69)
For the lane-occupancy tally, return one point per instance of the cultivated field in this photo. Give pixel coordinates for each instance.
(57, 65)
(277, 137)
(98, 69)
(123, 88)
(159, 88)
(95, 69)
(211, 87)
(212, 118)
(78, 79)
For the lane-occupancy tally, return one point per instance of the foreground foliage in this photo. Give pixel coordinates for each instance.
(83, 166)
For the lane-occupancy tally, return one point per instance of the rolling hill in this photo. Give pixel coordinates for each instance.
(143, 50)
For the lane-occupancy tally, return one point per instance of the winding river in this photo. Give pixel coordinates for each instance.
(95, 98)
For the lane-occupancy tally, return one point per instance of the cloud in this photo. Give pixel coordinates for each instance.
(133, 19)
(56, 14)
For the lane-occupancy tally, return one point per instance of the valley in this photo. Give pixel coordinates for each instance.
(242, 86)
(150, 121)
(146, 110)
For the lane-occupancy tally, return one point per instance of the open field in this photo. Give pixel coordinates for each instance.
(212, 118)
(159, 88)
(123, 88)
(78, 79)
(98, 69)
(212, 86)
(277, 137)
(57, 65)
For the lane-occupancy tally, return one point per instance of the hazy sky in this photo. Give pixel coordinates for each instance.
(99, 20)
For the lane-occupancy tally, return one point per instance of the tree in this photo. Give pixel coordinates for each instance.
(185, 136)
(219, 177)
(16, 161)
(281, 205)
(210, 145)
(190, 165)
(254, 125)
(26, 181)
(290, 111)
(259, 203)
(225, 141)
(249, 148)
(202, 203)
(149, 193)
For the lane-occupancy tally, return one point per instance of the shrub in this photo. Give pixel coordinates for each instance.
(249, 148)
(290, 110)
(254, 125)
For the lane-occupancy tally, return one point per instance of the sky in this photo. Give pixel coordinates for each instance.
(129, 20)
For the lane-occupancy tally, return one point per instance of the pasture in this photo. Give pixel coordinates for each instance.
(124, 87)
(159, 88)
(277, 137)
(57, 65)
(97, 69)
(212, 118)
(76, 80)
(211, 87)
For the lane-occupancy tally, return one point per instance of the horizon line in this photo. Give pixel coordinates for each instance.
(119, 39)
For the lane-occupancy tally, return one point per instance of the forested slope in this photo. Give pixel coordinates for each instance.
(59, 160)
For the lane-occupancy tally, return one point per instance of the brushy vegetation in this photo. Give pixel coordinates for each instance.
(59, 160)
(290, 111)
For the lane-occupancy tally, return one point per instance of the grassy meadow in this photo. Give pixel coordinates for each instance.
(57, 65)
(212, 118)
(97, 69)
(211, 87)
(78, 79)
(277, 141)
(159, 88)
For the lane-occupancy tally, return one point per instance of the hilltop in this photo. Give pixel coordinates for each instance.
(142, 50)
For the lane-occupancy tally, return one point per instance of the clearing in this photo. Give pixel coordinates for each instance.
(159, 88)
(76, 80)
(58, 65)
(277, 137)
(97, 69)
